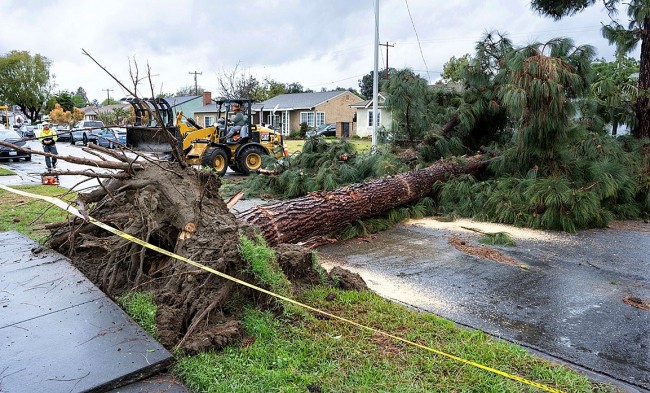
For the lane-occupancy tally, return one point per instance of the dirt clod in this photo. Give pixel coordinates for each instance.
(347, 280)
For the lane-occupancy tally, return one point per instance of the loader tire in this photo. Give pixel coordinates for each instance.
(250, 159)
(217, 159)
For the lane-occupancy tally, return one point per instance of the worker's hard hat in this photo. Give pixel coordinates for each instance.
(45, 124)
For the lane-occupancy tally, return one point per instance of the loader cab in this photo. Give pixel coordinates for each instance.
(228, 109)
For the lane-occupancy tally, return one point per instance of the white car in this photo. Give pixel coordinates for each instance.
(86, 131)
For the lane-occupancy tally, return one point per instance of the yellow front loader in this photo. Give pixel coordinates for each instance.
(209, 146)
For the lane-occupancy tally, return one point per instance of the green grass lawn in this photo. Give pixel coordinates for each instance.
(29, 216)
(298, 356)
(6, 172)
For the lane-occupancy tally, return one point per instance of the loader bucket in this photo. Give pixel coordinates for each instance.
(146, 134)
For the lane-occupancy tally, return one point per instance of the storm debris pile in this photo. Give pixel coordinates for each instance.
(179, 210)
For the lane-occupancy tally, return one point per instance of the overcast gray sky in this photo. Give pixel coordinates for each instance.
(318, 43)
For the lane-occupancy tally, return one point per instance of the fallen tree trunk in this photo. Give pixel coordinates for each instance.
(323, 213)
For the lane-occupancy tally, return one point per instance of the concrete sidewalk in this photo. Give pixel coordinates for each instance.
(60, 333)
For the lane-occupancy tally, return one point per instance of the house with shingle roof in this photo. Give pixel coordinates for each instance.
(288, 111)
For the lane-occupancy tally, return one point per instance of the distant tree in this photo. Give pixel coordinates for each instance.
(186, 91)
(109, 101)
(25, 81)
(365, 83)
(94, 103)
(626, 40)
(274, 88)
(61, 116)
(354, 91)
(64, 98)
(116, 116)
(80, 98)
(454, 69)
(236, 84)
(407, 99)
(296, 87)
(615, 90)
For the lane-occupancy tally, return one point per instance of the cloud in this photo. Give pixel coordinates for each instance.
(318, 43)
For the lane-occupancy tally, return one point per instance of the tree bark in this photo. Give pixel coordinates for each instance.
(451, 124)
(642, 107)
(322, 213)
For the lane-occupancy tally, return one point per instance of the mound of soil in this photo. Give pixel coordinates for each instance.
(179, 210)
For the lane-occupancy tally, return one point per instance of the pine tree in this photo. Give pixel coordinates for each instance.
(626, 40)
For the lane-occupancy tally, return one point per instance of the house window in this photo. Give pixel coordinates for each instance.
(274, 120)
(370, 117)
(208, 121)
(286, 122)
(320, 118)
(307, 117)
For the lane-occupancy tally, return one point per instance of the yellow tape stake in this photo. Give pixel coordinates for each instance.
(71, 209)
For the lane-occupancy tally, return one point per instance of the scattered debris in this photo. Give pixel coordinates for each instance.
(637, 302)
(483, 252)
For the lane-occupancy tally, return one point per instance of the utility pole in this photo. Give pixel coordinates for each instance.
(108, 95)
(196, 86)
(375, 78)
(386, 45)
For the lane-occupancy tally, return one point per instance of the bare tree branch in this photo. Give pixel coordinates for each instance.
(171, 139)
(79, 160)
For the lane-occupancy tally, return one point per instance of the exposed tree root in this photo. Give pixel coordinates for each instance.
(186, 215)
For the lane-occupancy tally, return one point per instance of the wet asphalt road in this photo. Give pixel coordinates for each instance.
(567, 303)
(29, 172)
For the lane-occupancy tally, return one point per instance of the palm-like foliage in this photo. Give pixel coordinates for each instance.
(626, 40)
(557, 174)
(543, 81)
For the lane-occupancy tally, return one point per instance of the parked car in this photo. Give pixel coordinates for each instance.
(112, 137)
(63, 133)
(86, 131)
(26, 131)
(6, 153)
(322, 130)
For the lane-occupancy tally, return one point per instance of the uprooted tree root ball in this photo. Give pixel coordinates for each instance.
(179, 210)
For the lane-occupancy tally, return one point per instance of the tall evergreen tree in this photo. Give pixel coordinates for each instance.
(407, 98)
(615, 91)
(542, 84)
(626, 39)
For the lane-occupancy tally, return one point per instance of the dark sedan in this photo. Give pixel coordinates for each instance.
(6, 152)
(323, 130)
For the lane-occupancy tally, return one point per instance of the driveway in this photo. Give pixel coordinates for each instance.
(572, 297)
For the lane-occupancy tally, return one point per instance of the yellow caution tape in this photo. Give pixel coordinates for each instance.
(71, 209)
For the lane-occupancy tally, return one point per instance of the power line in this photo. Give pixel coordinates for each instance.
(418, 38)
